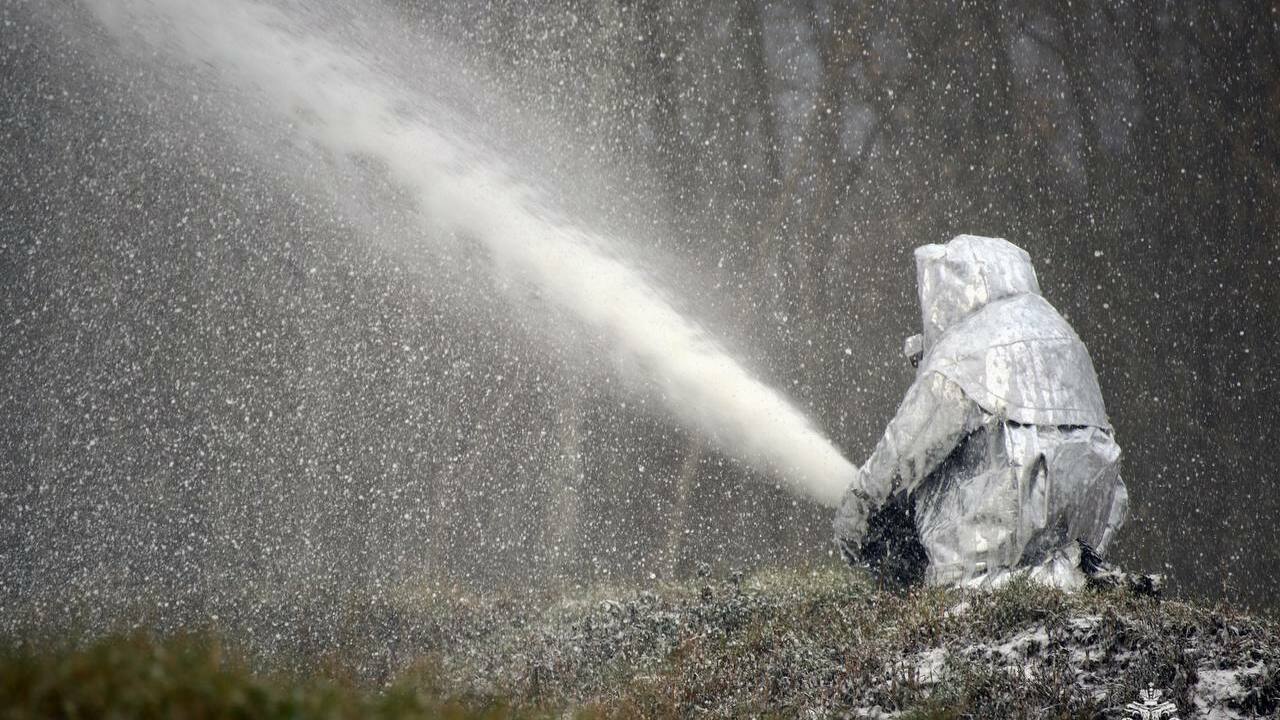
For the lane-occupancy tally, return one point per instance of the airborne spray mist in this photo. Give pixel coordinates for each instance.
(289, 70)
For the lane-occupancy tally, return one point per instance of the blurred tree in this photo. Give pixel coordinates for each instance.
(196, 336)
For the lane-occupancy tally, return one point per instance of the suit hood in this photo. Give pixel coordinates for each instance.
(960, 278)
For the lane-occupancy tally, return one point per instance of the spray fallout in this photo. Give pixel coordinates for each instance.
(333, 98)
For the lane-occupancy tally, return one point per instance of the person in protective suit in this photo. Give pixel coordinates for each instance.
(1000, 459)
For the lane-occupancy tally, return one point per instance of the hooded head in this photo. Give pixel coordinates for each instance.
(960, 278)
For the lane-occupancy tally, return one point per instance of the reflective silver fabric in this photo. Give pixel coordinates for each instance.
(1003, 439)
(1017, 357)
(965, 275)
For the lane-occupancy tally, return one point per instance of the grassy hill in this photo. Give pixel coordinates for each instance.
(797, 643)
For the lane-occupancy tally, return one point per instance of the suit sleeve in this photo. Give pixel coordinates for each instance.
(931, 421)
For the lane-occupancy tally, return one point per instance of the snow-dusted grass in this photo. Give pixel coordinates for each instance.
(818, 642)
(823, 642)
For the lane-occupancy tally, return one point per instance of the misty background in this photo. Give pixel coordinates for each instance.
(216, 393)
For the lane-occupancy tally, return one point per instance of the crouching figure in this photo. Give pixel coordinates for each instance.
(1000, 459)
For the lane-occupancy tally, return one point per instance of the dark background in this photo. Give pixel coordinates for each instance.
(216, 395)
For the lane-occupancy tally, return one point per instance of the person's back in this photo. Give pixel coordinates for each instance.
(1000, 455)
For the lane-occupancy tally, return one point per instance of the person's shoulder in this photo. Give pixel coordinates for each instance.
(1021, 317)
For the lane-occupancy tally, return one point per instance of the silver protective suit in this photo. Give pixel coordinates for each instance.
(1002, 443)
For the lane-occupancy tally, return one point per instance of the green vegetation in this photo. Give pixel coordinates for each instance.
(137, 676)
(815, 642)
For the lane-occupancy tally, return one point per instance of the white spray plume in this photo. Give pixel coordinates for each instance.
(334, 97)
